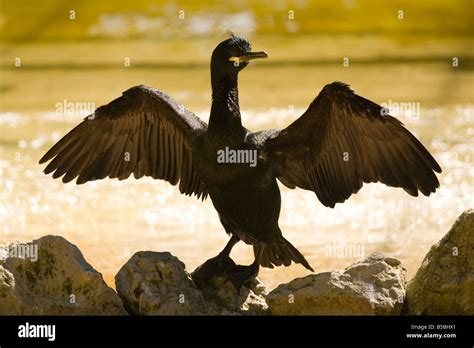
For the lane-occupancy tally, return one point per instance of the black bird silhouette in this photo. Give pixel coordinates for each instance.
(340, 142)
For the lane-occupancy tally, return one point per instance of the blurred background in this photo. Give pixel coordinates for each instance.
(59, 59)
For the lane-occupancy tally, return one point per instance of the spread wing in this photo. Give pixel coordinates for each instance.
(143, 132)
(344, 140)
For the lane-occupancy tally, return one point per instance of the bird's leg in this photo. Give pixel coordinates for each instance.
(221, 264)
(244, 274)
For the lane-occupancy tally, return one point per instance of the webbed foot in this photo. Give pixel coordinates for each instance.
(221, 265)
(242, 275)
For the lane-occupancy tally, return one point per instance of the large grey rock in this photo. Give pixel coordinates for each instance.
(444, 284)
(374, 286)
(55, 281)
(157, 283)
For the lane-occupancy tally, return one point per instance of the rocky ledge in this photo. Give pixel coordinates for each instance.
(51, 276)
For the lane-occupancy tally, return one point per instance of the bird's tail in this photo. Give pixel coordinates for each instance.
(280, 252)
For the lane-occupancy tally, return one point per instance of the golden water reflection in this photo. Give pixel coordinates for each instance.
(111, 220)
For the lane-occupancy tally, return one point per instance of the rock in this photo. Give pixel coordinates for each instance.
(374, 286)
(157, 283)
(54, 280)
(250, 299)
(444, 284)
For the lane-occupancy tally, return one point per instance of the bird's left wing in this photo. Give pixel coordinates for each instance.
(344, 140)
(144, 132)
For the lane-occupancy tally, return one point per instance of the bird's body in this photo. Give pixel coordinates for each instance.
(341, 141)
(246, 198)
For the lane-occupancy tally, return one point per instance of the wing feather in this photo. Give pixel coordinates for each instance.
(344, 140)
(144, 132)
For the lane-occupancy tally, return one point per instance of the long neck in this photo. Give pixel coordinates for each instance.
(225, 111)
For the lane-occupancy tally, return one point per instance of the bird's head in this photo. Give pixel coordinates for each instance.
(232, 55)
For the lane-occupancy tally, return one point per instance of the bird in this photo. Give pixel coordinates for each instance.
(339, 143)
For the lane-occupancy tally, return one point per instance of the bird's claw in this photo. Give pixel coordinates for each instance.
(242, 275)
(224, 266)
(220, 265)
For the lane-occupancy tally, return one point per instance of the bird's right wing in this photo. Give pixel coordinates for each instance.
(144, 132)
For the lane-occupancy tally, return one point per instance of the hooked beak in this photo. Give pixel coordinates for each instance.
(249, 56)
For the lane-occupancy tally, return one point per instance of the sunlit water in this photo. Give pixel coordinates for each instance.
(111, 220)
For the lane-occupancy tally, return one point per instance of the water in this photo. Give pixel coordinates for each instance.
(110, 220)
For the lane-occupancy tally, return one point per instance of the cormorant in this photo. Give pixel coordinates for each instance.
(340, 142)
